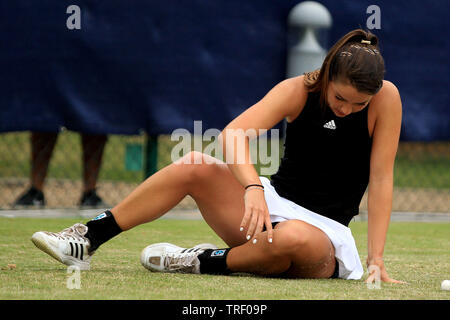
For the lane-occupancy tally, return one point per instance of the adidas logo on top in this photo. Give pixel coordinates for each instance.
(330, 125)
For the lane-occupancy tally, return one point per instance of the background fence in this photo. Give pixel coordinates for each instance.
(153, 67)
(422, 171)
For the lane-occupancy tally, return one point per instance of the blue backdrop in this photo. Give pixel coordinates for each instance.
(158, 66)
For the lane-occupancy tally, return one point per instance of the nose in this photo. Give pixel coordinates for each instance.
(345, 109)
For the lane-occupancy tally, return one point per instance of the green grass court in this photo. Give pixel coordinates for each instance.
(417, 253)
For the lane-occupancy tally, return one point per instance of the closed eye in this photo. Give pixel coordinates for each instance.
(360, 104)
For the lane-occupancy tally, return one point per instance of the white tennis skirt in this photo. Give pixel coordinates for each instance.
(346, 253)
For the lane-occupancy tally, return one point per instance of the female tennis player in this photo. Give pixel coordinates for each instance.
(343, 127)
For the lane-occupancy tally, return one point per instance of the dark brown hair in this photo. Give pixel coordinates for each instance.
(355, 59)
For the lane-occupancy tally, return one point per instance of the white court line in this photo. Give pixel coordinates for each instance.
(88, 213)
(412, 216)
(193, 214)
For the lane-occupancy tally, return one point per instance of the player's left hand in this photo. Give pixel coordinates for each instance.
(377, 269)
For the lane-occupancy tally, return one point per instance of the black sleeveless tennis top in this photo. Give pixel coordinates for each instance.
(326, 161)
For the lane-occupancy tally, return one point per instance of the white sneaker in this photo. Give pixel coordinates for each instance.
(69, 246)
(166, 257)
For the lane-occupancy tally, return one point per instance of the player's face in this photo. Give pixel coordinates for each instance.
(344, 99)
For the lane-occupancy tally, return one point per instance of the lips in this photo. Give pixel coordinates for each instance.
(339, 114)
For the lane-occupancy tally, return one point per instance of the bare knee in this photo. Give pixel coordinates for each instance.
(279, 256)
(197, 167)
(289, 241)
(308, 249)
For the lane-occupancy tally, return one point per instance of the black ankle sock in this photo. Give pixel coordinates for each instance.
(101, 229)
(214, 261)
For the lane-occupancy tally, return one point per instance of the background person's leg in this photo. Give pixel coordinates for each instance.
(93, 147)
(42, 146)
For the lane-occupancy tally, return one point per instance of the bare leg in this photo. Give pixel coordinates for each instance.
(217, 193)
(299, 250)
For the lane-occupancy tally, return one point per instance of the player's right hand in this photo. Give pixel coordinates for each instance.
(256, 214)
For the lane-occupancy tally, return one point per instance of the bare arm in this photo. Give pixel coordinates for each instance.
(384, 148)
(285, 100)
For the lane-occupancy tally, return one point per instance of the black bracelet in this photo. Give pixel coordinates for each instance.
(254, 185)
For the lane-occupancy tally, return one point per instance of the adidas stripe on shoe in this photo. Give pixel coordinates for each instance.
(69, 246)
(167, 257)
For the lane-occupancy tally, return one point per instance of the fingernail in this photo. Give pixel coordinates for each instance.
(270, 240)
(254, 241)
(248, 237)
(241, 229)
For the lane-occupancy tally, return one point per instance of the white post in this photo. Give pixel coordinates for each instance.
(307, 55)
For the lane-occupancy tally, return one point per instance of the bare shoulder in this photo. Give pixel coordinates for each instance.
(294, 87)
(297, 94)
(389, 89)
(283, 101)
(388, 98)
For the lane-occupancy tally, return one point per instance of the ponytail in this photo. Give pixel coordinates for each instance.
(354, 58)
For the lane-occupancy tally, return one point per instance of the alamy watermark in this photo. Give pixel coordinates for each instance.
(74, 280)
(73, 22)
(249, 146)
(376, 272)
(374, 20)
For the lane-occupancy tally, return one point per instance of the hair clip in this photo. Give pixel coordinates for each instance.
(345, 54)
(366, 41)
(366, 49)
